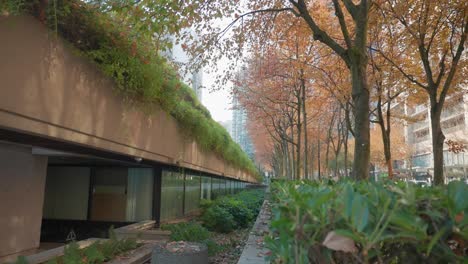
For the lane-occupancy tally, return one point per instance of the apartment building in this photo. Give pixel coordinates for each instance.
(418, 135)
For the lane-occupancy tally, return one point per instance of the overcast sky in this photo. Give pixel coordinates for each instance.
(218, 102)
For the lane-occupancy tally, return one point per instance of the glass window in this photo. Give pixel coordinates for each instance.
(206, 187)
(233, 187)
(139, 194)
(192, 192)
(109, 200)
(66, 193)
(222, 183)
(172, 195)
(215, 188)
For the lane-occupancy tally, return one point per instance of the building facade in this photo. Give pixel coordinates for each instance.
(75, 157)
(418, 135)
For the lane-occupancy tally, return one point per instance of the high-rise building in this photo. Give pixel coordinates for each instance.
(239, 131)
(418, 135)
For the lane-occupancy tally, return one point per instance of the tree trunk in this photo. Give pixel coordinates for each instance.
(286, 159)
(318, 157)
(327, 154)
(345, 146)
(438, 139)
(304, 121)
(337, 148)
(360, 94)
(385, 130)
(299, 133)
(311, 163)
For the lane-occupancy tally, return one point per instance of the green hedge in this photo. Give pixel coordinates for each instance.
(228, 213)
(141, 75)
(363, 222)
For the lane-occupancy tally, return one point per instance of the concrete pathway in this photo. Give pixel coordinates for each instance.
(254, 251)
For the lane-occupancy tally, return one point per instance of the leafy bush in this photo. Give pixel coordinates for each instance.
(231, 212)
(141, 75)
(218, 219)
(241, 214)
(364, 222)
(252, 199)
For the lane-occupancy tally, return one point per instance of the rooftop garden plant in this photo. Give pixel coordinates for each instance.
(141, 75)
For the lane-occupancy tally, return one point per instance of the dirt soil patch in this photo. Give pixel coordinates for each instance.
(232, 245)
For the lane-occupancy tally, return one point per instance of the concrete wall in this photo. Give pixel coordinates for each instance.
(50, 91)
(22, 180)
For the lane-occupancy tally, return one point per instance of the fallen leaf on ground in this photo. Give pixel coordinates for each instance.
(339, 242)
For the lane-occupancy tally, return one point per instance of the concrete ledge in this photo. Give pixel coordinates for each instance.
(142, 230)
(143, 225)
(255, 251)
(57, 252)
(138, 256)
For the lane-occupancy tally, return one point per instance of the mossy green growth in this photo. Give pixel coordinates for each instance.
(141, 75)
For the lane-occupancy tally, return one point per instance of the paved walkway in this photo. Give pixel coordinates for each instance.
(254, 251)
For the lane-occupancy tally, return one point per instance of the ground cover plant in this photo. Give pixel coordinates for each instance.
(368, 222)
(142, 76)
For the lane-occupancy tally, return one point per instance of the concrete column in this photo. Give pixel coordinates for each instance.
(22, 181)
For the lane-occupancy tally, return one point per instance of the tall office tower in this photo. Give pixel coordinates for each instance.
(239, 132)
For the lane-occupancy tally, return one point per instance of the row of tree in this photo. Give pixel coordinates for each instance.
(314, 100)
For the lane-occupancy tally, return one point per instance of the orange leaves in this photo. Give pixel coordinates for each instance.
(456, 147)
